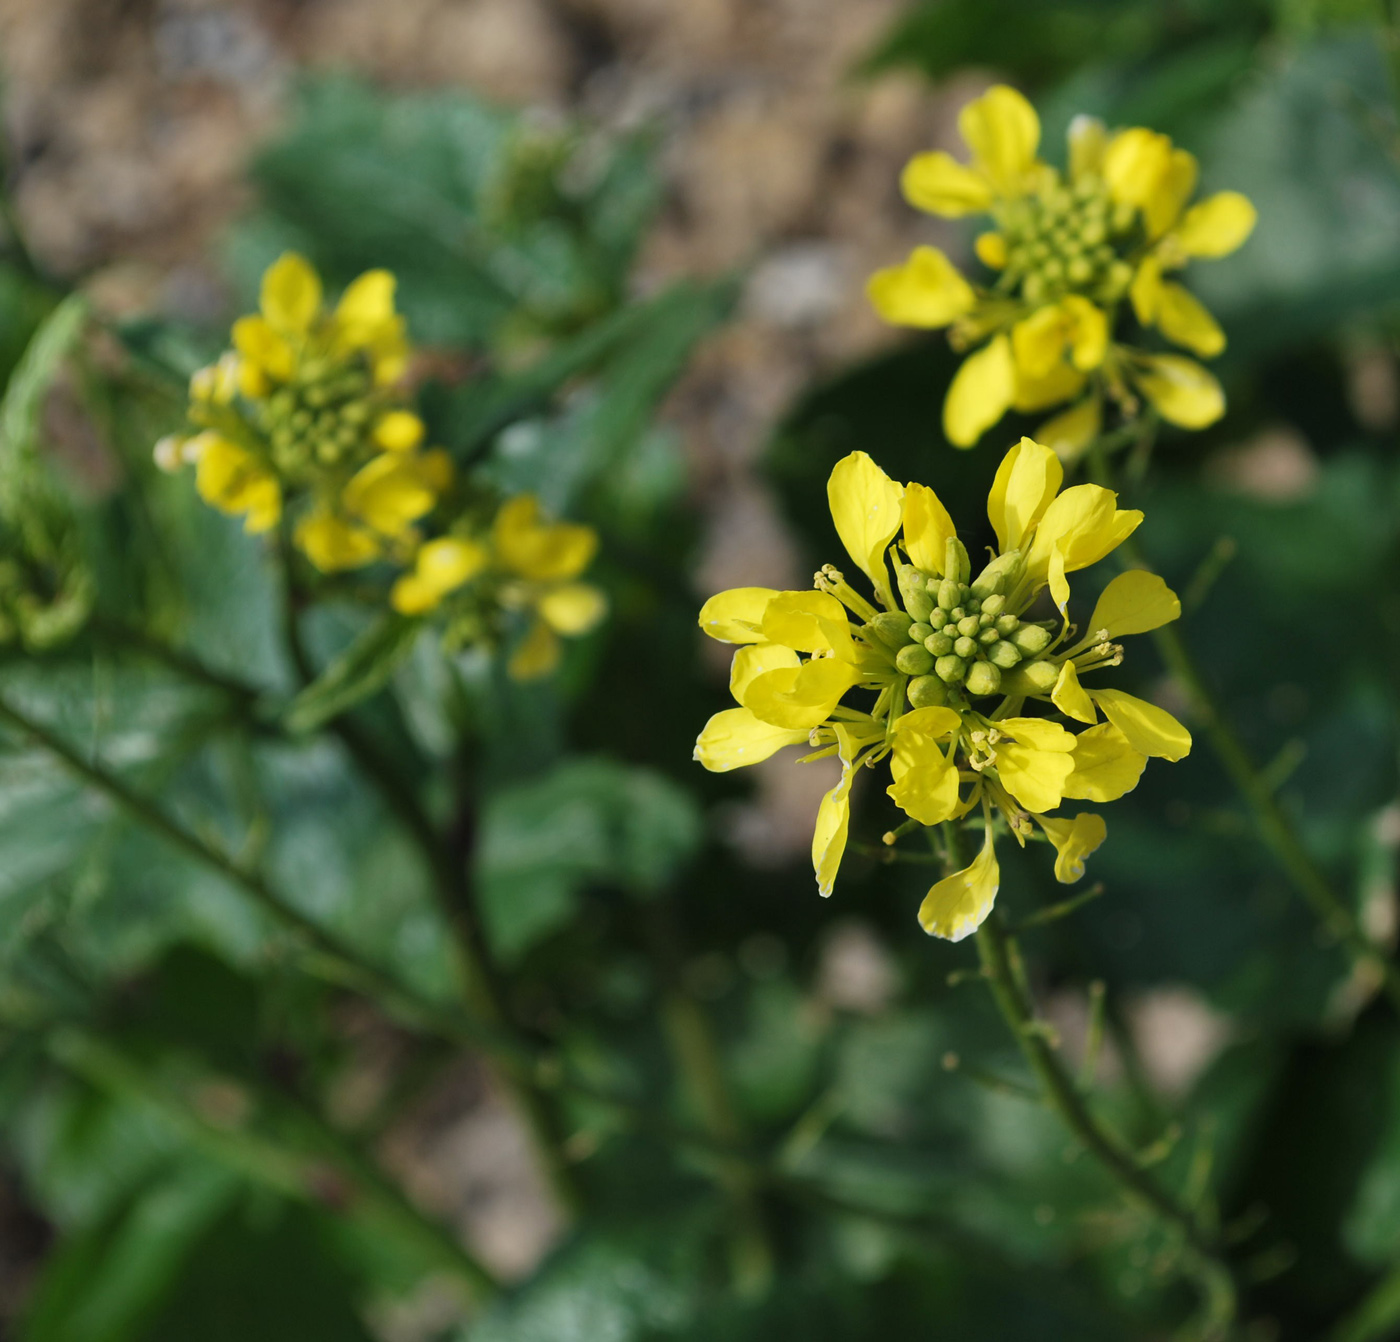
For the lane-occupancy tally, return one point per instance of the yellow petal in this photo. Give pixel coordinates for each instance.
(1028, 478)
(927, 527)
(1069, 433)
(1216, 225)
(1062, 383)
(980, 393)
(398, 431)
(866, 506)
(991, 250)
(1069, 696)
(389, 494)
(801, 698)
(1085, 523)
(735, 616)
(1184, 320)
(1148, 729)
(573, 608)
(1074, 840)
(809, 622)
(938, 183)
(1003, 132)
(959, 904)
(263, 501)
(365, 314)
(1181, 390)
(410, 595)
(537, 654)
(1039, 733)
(233, 480)
(935, 723)
(333, 544)
(1105, 765)
(735, 738)
(1134, 163)
(543, 551)
(291, 293)
(1163, 207)
(448, 562)
(1035, 778)
(1135, 602)
(925, 781)
(829, 835)
(751, 662)
(1038, 342)
(1055, 573)
(1088, 138)
(263, 351)
(1087, 326)
(926, 291)
(1146, 290)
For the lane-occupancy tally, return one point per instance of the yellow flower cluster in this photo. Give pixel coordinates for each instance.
(522, 563)
(304, 409)
(954, 663)
(1066, 251)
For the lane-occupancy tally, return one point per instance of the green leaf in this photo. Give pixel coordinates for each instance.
(361, 670)
(590, 821)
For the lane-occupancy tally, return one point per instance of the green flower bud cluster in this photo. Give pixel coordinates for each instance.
(319, 419)
(956, 636)
(1068, 240)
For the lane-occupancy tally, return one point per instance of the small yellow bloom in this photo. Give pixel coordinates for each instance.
(333, 544)
(233, 480)
(1066, 250)
(953, 667)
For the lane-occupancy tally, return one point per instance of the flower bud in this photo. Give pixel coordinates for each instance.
(989, 636)
(914, 591)
(1031, 638)
(994, 604)
(891, 627)
(983, 678)
(986, 620)
(927, 692)
(940, 645)
(1003, 654)
(1030, 678)
(965, 647)
(948, 594)
(969, 625)
(919, 632)
(956, 564)
(914, 660)
(1002, 574)
(950, 669)
(1007, 625)
(938, 618)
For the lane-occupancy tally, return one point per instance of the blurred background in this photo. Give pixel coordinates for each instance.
(644, 229)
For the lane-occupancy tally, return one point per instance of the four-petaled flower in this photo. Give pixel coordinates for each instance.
(1066, 251)
(954, 664)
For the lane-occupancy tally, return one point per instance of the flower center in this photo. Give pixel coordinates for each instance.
(1067, 240)
(319, 418)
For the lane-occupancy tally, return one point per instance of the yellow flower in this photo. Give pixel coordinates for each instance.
(440, 566)
(951, 664)
(1066, 249)
(306, 394)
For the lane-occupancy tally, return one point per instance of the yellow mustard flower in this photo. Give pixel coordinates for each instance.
(303, 409)
(523, 564)
(1067, 248)
(953, 665)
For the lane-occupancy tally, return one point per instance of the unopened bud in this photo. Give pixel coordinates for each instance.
(1007, 625)
(987, 620)
(913, 588)
(969, 625)
(170, 452)
(950, 669)
(1004, 654)
(1031, 678)
(918, 632)
(994, 604)
(927, 692)
(956, 564)
(1002, 574)
(914, 660)
(989, 636)
(938, 618)
(983, 678)
(1031, 638)
(940, 645)
(965, 647)
(948, 594)
(891, 627)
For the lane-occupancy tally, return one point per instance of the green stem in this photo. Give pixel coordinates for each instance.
(1279, 834)
(268, 1163)
(452, 892)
